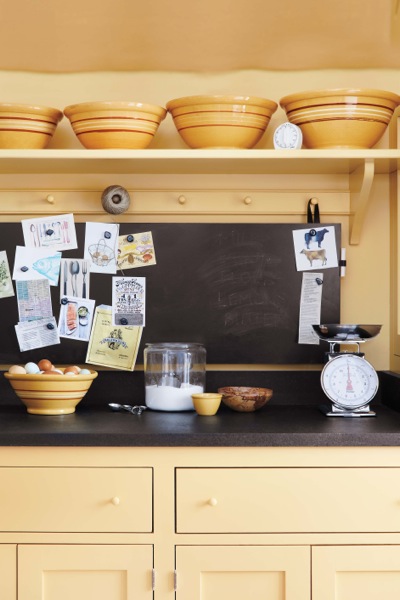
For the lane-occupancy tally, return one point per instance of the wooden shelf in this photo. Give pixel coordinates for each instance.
(196, 161)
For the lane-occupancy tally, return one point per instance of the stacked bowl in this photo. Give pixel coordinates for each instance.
(115, 125)
(341, 118)
(221, 121)
(25, 126)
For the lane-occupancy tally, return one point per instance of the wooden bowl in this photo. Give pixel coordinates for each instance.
(50, 394)
(341, 118)
(115, 125)
(245, 399)
(221, 121)
(24, 126)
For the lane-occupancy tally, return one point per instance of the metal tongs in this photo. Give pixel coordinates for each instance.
(134, 410)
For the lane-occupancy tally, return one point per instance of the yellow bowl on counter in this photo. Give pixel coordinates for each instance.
(206, 403)
(50, 394)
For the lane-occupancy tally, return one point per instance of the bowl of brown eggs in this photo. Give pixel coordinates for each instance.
(49, 390)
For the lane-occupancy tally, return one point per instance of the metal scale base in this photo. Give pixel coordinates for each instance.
(333, 411)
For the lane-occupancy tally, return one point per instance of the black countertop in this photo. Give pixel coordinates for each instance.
(291, 418)
(271, 426)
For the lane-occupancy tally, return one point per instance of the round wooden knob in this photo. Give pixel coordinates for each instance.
(213, 502)
(115, 501)
(50, 199)
(247, 200)
(182, 199)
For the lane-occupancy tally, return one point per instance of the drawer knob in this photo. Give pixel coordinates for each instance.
(115, 500)
(213, 502)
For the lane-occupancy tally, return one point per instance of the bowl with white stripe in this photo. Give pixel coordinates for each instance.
(27, 126)
(341, 118)
(221, 121)
(115, 125)
(56, 394)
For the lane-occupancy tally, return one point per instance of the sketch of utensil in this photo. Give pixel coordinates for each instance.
(66, 231)
(33, 230)
(65, 277)
(84, 273)
(74, 269)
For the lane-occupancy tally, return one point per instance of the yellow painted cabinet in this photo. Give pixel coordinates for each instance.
(243, 572)
(83, 572)
(8, 571)
(356, 572)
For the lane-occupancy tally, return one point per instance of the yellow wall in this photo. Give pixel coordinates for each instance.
(365, 296)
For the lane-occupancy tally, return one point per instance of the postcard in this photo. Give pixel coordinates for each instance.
(75, 319)
(75, 277)
(37, 334)
(101, 241)
(34, 300)
(315, 248)
(135, 250)
(56, 232)
(110, 346)
(129, 301)
(37, 263)
(6, 286)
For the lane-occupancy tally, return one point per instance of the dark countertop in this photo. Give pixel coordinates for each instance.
(291, 418)
(271, 426)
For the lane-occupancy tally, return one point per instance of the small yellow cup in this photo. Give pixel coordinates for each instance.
(206, 404)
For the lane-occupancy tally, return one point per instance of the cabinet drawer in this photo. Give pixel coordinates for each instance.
(290, 500)
(76, 499)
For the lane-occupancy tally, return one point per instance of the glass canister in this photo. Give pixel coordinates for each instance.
(172, 373)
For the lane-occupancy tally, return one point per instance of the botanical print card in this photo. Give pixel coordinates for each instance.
(6, 286)
(135, 250)
(34, 300)
(315, 248)
(37, 263)
(101, 240)
(75, 277)
(56, 232)
(129, 301)
(75, 319)
(110, 346)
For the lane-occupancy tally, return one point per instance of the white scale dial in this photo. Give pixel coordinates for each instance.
(349, 381)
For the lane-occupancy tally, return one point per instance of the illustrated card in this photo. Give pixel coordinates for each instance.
(75, 319)
(110, 346)
(6, 286)
(37, 263)
(129, 301)
(75, 277)
(101, 242)
(56, 232)
(315, 248)
(135, 250)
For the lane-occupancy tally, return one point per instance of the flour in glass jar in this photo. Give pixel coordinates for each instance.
(170, 398)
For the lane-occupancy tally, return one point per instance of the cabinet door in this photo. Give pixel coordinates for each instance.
(243, 572)
(8, 572)
(356, 573)
(84, 572)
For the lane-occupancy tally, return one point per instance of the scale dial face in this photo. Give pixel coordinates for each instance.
(349, 381)
(288, 136)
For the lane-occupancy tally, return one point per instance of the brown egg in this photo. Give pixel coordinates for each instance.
(72, 369)
(17, 370)
(51, 372)
(45, 364)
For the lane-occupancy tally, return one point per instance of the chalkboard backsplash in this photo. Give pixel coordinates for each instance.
(232, 287)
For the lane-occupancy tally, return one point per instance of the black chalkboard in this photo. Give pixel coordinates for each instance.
(232, 287)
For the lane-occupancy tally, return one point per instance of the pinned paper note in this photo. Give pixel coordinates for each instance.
(310, 307)
(315, 248)
(128, 301)
(101, 241)
(6, 287)
(75, 319)
(37, 263)
(34, 300)
(56, 232)
(135, 250)
(37, 334)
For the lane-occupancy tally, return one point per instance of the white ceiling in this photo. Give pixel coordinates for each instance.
(198, 35)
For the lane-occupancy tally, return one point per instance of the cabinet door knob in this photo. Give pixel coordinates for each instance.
(213, 502)
(248, 200)
(182, 199)
(115, 500)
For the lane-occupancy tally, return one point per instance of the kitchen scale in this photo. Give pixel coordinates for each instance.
(348, 379)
